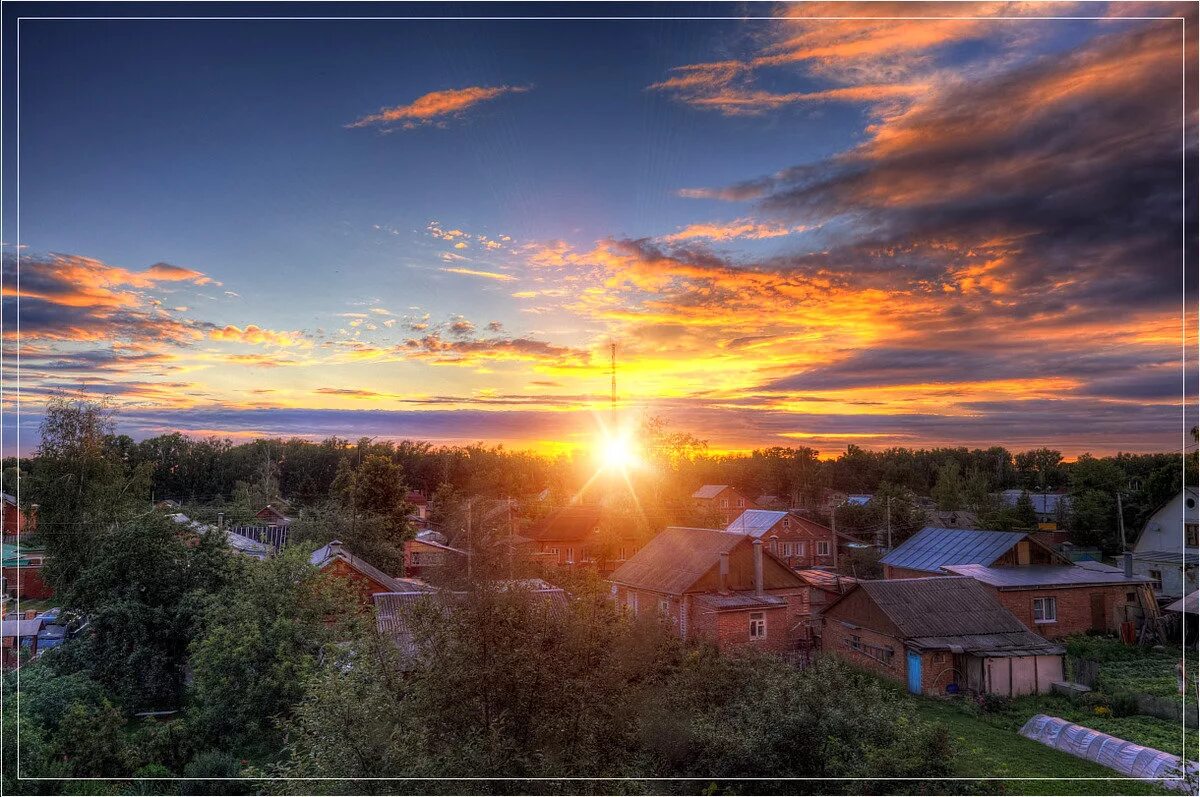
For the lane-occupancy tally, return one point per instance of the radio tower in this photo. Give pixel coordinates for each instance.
(613, 403)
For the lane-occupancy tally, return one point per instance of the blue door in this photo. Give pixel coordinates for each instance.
(914, 672)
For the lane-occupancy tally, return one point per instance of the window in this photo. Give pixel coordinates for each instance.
(623, 552)
(664, 607)
(631, 600)
(787, 522)
(758, 625)
(415, 557)
(570, 556)
(823, 548)
(1045, 610)
(787, 549)
(741, 502)
(1190, 534)
(554, 551)
(724, 503)
(800, 549)
(871, 651)
(1156, 580)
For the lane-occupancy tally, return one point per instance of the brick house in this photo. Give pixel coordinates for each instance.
(714, 586)
(18, 640)
(931, 549)
(22, 572)
(795, 540)
(16, 522)
(336, 560)
(723, 500)
(1059, 600)
(938, 636)
(574, 536)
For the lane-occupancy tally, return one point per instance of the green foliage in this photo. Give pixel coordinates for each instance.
(947, 492)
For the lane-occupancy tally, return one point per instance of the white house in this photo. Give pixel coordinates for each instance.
(1168, 549)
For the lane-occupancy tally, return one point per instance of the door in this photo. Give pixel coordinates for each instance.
(1098, 619)
(914, 672)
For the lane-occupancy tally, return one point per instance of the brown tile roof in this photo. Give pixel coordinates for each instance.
(569, 523)
(676, 559)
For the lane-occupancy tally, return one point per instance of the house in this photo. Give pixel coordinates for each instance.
(428, 551)
(22, 572)
(336, 560)
(952, 519)
(795, 540)
(1059, 600)
(1167, 550)
(715, 586)
(18, 639)
(572, 536)
(270, 516)
(939, 635)
(419, 503)
(931, 549)
(722, 499)
(1050, 508)
(14, 521)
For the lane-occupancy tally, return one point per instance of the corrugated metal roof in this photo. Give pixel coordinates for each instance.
(1043, 576)
(1023, 643)
(1189, 604)
(941, 606)
(1167, 557)
(931, 548)
(709, 491)
(337, 550)
(675, 559)
(755, 522)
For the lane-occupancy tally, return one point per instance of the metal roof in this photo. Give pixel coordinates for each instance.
(1043, 576)
(569, 524)
(739, 600)
(1167, 557)
(1023, 643)
(9, 499)
(941, 607)
(755, 522)
(709, 491)
(858, 500)
(337, 550)
(20, 628)
(1189, 604)
(931, 548)
(1043, 503)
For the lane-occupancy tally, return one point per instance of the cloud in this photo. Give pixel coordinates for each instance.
(492, 275)
(435, 349)
(730, 230)
(253, 334)
(435, 106)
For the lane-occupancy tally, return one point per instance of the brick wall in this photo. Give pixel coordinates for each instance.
(1074, 608)
(903, 572)
(726, 629)
(938, 669)
(26, 582)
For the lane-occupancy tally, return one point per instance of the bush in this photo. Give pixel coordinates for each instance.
(211, 764)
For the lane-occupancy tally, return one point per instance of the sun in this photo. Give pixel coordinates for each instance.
(619, 453)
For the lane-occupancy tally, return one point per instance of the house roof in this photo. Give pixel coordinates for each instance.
(755, 522)
(933, 548)
(568, 523)
(952, 612)
(439, 546)
(9, 499)
(336, 550)
(20, 628)
(1189, 604)
(1043, 503)
(1187, 557)
(858, 500)
(1044, 576)
(739, 600)
(710, 491)
(824, 579)
(675, 559)
(259, 550)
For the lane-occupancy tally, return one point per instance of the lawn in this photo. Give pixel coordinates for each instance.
(1131, 668)
(986, 749)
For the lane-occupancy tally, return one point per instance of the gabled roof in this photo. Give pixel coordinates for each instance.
(1044, 576)
(1189, 604)
(20, 628)
(710, 491)
(336, 550)
(676, 559)
(755, 522)
(569, 523)
(9, 499)
(952, 612)
(932, 548)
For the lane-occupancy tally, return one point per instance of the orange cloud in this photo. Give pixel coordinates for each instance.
(437, 104)
(256, 335)
(727, 231)
(492, 275)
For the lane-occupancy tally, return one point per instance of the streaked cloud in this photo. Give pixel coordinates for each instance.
(435, 107)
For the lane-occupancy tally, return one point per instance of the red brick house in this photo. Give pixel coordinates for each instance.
(270, 516)
(1059, 600)
(22, 571)
(795, 540)
(15, 521)
(573, 536)
(928, 551)
(722, 499)
(713, 586)
(938, 636)
(334, 559)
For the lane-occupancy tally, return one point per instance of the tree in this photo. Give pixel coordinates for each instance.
(948, 491)
(1024, 514)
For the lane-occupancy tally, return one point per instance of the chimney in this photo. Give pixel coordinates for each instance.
(758, 568)
(775, 544)
(220, 520)
(723, 580)
(1127, 561)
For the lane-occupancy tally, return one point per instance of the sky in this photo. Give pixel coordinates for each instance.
(811, 224)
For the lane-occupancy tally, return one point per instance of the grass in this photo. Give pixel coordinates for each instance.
(38, 605)
(987, 749)
(1131, 668)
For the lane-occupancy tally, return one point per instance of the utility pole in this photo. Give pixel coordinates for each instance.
(1121, 520)
(889, 522)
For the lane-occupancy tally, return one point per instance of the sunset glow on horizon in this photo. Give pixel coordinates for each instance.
(798, 231)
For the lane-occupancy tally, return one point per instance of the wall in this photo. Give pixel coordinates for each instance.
(365, 586)
(26, 582)
(903, 572)
(1174, 584)
(1074, 608)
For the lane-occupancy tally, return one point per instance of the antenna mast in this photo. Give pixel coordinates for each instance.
(613, 354)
